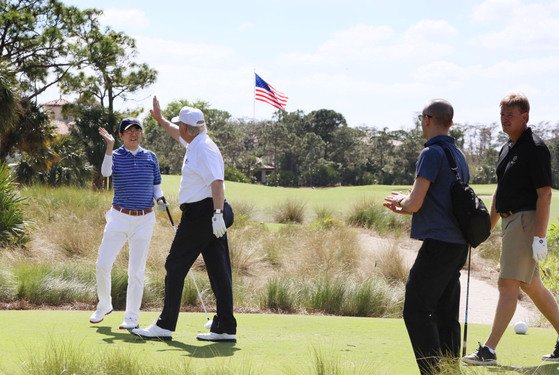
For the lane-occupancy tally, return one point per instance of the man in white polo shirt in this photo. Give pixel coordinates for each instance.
(202, 228)
(137, 182)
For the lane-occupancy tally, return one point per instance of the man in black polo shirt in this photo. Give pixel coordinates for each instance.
(522, 200)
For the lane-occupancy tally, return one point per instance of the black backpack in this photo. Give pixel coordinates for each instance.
(473, 218)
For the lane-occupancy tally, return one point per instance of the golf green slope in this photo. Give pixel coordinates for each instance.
(267, 343)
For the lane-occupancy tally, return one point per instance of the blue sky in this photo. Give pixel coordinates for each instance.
(375, 62)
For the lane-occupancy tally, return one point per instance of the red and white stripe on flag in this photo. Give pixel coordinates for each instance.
(267, 94)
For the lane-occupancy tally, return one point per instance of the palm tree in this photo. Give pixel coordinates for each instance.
(10, 109)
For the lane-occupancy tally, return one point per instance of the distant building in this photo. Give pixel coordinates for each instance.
(58, 120)
(264, 170)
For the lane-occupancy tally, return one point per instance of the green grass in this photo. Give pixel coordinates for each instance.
(267, 344)
(339, 199)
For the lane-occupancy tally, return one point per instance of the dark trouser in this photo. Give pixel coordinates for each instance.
(194, 236)
(432, 302)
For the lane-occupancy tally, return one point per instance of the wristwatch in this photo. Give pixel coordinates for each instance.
(218, 211)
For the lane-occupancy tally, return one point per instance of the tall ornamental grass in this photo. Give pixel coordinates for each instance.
(371, 215)
(279, 267)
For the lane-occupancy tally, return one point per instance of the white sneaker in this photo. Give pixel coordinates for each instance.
(153, 332)
(99, 315)
(217, 337)
(129, 323)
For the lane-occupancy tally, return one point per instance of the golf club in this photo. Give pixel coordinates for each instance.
(208, 323)
(467, 298)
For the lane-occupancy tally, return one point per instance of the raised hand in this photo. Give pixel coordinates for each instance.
(156, 111)
(107, 137)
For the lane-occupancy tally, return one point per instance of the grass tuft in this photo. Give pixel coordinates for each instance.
(371, 215)
(279, 296)
(290, 211)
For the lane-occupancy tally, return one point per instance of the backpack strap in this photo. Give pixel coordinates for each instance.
(450, 159)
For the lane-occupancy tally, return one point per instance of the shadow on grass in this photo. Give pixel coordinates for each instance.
(543, 369)
(206, 350)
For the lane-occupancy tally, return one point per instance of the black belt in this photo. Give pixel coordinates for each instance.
(198, 204)
(506, 214)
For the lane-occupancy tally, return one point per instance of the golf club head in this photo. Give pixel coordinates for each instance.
(208, 324)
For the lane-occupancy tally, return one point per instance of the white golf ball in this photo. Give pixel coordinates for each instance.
(520, 328)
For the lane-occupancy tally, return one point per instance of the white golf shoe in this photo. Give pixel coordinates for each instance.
(153, 332)
(129, 323)
(99, 315)
(217, 337)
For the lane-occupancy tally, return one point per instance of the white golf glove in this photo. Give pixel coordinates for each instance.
(218, 225)
(539, 248)
(161, 204)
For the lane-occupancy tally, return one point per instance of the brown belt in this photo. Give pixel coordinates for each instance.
(132, 212)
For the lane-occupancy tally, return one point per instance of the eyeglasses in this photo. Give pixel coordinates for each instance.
(420, 117)
(133, 130)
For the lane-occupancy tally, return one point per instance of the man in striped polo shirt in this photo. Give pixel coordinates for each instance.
(137, 182)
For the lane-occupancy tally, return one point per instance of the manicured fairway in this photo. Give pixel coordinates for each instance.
(267, 343)
(339, 199)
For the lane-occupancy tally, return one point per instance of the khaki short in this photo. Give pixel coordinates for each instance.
(516, 252)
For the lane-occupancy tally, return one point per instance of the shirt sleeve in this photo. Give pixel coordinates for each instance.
(156, 171)
(107, 166)
(540, 167)
(213, 168)
(157, 191)
(429, 164)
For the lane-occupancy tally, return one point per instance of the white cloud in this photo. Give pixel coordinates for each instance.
(129, 19)
(530, 67)
(491, 10)
(170, 52)
(367, 43)
(523, 26)
(444, 73)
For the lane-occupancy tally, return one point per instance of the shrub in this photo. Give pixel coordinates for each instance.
(243, 211)
(391, 265)
(235, 175)
(313, 253)
(290, 211)
(55, 284)
(8, 285)
(326, 295)
(12, 223)
(119, 286)
(374, 298)
(279, 296)
(325, 218)
(371, 215)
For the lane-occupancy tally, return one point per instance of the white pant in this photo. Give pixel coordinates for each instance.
(137, 230)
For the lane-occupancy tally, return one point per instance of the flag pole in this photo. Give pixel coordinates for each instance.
(254, 97)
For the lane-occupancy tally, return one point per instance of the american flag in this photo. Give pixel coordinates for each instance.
(267, 94)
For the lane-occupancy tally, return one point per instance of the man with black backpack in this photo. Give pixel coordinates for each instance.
(432, 297)
(522, 200)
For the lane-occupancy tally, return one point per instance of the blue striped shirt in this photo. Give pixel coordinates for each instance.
(134, 177)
